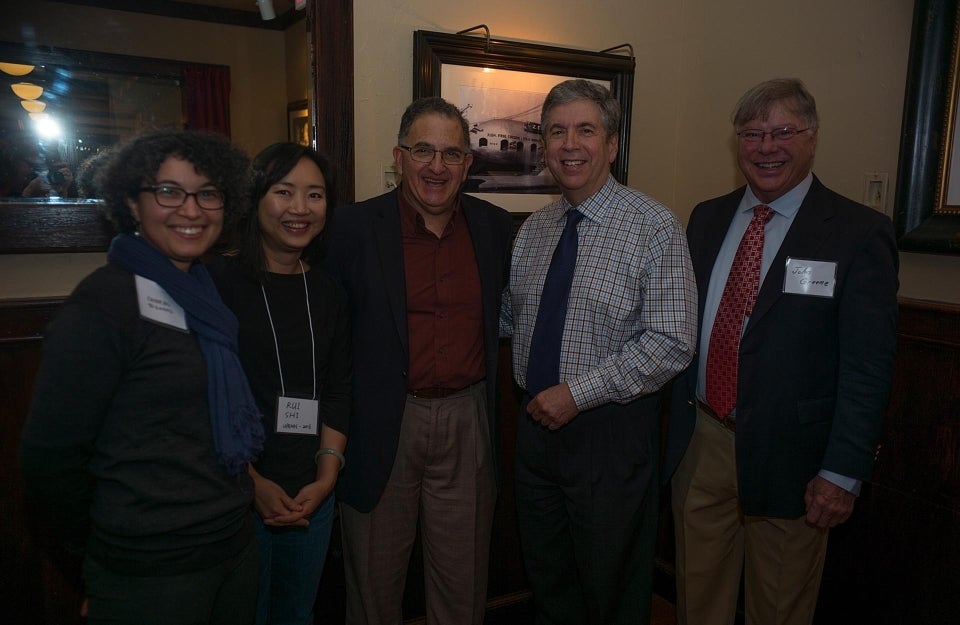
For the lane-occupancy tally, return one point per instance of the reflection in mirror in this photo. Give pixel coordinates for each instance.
(61, 109)
(78, 76)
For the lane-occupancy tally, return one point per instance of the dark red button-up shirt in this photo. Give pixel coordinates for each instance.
(444, 308)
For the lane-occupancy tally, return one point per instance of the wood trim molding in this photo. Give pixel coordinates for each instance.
(27, 228)
(920, 320)
(330, 31)
(933, 322)
(26, 319)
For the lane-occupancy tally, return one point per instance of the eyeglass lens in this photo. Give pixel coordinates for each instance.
(175, 197)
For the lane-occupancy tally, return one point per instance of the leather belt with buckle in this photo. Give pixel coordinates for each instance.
(729, 421)
(434, 392)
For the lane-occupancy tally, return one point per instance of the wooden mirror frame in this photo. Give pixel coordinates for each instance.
(923, 223)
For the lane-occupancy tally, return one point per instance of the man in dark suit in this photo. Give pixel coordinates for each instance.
(424, 267)
(774, 426)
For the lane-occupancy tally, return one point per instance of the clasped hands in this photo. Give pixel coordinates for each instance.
(277, 509)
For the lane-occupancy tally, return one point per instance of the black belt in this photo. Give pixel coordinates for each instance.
(434, 392)
(729, 421)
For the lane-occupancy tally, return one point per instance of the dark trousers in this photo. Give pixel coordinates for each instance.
(587, 501)
(224, 594)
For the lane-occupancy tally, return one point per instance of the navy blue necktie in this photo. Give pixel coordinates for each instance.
(543, 365)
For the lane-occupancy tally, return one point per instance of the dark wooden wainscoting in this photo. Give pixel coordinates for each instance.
(40, 585)
(897, 561)
(35, 586)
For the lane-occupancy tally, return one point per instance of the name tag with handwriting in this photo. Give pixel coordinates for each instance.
(157, 306)
(296, 415)
(810, 277)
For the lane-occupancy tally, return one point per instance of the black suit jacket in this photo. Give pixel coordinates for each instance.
(814, 373)
(366, 257)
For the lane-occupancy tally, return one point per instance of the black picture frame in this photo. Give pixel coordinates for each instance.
(922, 221)
(432, 50)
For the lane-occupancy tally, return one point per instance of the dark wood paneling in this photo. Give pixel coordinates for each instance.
(330, 31)
(37, 586)
(53, 226)
(895, 561)
(41, 586)
(201, 12)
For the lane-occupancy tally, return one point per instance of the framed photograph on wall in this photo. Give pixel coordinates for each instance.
(499, 86)
(298, 123)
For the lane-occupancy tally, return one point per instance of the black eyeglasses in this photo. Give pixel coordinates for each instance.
(782, 135)
(175, 197)
(424, 154)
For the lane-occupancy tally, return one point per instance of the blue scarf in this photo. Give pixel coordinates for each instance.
(237, 430)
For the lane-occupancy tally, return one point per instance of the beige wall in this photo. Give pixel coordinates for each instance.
(694, 59)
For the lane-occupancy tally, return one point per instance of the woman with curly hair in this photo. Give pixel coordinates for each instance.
(142, 423)
(294, 345)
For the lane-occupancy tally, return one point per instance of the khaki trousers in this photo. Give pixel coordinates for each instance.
(443, 479)
(781, 559)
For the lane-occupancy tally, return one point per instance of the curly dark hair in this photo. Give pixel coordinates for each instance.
(268, 168)
(134, 164)
(88, 171)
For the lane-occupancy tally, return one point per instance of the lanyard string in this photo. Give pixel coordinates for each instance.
(313, 342)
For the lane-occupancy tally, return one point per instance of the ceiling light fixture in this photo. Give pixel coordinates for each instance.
(32, 106)
(266, 9)
(16, 69)
(27, 91)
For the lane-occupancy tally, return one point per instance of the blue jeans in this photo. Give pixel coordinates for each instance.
(291, 563)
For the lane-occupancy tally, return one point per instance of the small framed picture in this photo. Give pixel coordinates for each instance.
(298, 123)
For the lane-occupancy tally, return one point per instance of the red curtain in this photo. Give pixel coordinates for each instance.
(206, 91)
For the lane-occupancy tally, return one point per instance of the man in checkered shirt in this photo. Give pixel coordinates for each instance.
(588, 446)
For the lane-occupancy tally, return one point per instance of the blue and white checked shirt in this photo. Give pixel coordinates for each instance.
(632, 314)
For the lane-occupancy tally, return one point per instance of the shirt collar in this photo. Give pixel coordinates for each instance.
(412, 222)
(787, 204)
(597, 205)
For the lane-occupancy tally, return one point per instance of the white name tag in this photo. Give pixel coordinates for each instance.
(810, 277)
(157, 306)
(296, 415)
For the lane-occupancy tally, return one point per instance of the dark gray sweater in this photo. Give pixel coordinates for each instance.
(118, 449)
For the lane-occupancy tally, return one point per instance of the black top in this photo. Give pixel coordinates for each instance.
(118, 448)
(288, 459)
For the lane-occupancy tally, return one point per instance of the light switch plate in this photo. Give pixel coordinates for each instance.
(875, 191)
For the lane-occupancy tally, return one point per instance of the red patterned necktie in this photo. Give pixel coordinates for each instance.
(739, 296)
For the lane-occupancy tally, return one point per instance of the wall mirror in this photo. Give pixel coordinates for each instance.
(76, 76)
(60, 107)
